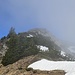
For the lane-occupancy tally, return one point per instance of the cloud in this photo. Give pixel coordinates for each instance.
(58, 16)
(21, 11)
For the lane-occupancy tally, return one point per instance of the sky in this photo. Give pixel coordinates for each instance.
(57, 16)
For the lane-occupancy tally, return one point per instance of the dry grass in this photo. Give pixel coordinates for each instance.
(19, 68)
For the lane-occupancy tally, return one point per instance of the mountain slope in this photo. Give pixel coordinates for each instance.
(20, 68)
(43, 38)
(63, 47)
(35, 41)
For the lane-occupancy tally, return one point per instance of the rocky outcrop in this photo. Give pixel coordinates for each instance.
(3, 49)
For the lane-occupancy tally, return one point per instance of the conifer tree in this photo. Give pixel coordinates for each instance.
(11, 32)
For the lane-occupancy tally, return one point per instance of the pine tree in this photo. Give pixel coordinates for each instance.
(11, 32)
(11, 53)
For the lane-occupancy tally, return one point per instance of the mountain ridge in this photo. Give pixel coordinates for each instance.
(40, 37)
(29, 47)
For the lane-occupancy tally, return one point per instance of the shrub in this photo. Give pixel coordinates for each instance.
(34, 71)
(20, 68)
(29, 69)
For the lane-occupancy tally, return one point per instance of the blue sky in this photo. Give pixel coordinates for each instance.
(58, 16)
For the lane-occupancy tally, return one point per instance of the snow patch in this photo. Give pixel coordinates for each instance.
(43, 48)
(29, 36)
(67, 66)
(63, 53)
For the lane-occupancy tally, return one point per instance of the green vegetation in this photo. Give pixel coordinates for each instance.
(11, 32)
(19, 47)
(29, 69)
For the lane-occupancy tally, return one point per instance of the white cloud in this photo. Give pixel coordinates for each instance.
(55, 15)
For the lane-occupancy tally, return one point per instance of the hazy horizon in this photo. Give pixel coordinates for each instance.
(57, 16)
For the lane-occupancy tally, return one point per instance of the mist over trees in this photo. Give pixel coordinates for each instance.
(19, 46)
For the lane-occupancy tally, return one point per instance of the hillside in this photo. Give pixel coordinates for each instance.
(20, 68)
(18, 51)
(35, 41)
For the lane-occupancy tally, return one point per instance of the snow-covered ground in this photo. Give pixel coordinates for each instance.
(43, 48)
(67, 66)
(63, 53)
(29, 36)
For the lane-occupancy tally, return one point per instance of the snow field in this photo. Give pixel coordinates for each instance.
(67, 66)
(29, 36)
(43, 48)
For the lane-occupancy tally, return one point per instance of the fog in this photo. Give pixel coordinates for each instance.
(58, 16)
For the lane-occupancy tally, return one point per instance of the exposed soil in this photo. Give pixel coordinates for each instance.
(19, 68)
